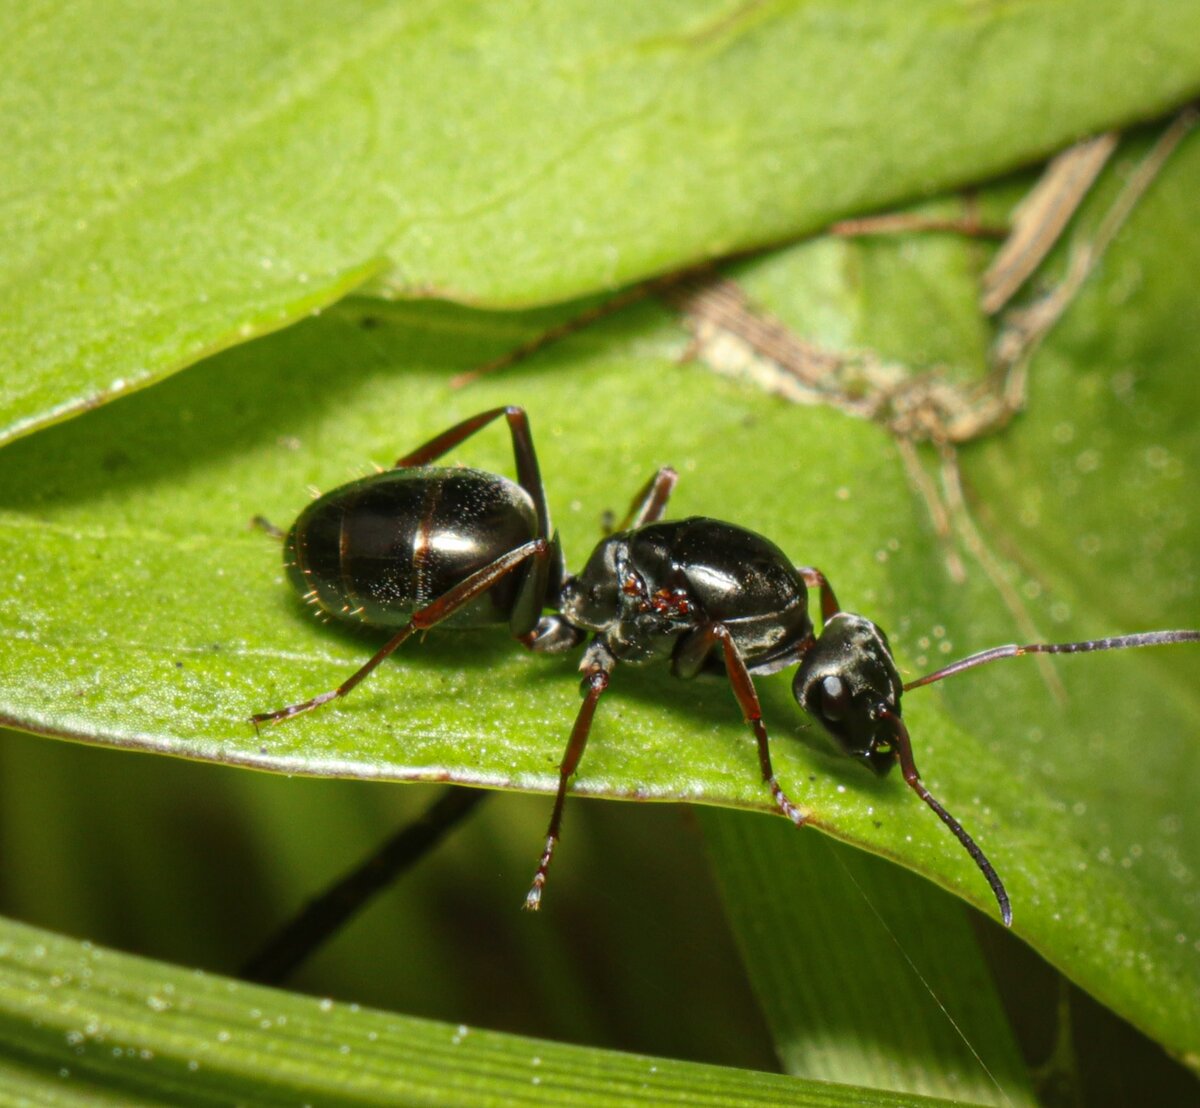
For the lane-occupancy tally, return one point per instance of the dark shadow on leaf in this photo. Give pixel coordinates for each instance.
(270, 389)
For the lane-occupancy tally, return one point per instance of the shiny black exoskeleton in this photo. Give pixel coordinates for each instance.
(379, 549)
(420, 545)
(652, 592)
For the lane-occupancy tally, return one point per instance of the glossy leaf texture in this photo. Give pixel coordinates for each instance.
(147, 613)
(181, 179)
(125, 1030)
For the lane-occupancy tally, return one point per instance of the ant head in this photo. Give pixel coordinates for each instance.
(848, 682)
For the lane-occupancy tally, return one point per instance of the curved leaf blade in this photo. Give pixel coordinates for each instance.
(187, 179)
(147, 504)
(866, 974)
(82, 1024)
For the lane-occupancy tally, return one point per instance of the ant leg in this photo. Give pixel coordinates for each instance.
(815, 579)
(529, 476)
(548, 571)
(687, 661)
(651, 500)
(743, 689)
(598, 664)
(422, 619)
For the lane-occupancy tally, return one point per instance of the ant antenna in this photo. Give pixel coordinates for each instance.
(909, 768)
(1117, 642)
(904, 747)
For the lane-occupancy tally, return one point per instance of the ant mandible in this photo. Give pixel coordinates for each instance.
(420, 546)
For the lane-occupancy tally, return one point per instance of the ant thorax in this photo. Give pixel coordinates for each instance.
(646, 588)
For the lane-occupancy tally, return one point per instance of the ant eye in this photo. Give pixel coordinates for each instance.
(835, 698)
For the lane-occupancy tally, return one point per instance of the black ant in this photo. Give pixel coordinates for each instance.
(419, 546)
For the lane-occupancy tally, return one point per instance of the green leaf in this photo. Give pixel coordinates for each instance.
(866, 975)
(144, 612)
(83, 1024)
(184, 178)
(1083, 807)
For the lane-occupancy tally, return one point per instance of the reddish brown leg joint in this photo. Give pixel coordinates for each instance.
(595, 682)
(747, 698)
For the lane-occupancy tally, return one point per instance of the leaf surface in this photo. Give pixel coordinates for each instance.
(146, 612)
(114, 1029)
(184, 178)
